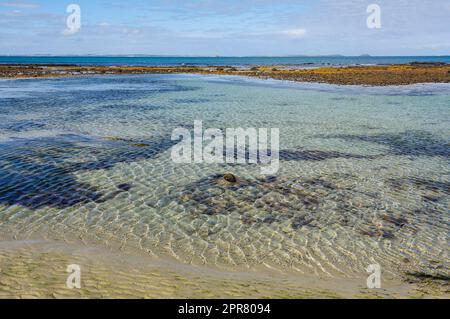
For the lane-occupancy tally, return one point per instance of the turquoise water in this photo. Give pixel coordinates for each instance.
(363, 179)
(237, 61)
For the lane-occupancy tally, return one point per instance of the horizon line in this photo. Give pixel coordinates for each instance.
(213, 56)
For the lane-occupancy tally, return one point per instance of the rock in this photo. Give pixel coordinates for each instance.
(387, 234)
(431, 198)
(230, 178)
(300, 221)
(247, 220)
(124, 187)
(116, 139)
(397, 221)
(429, 64)
(185, 198)
(269, 219)
(140, 145)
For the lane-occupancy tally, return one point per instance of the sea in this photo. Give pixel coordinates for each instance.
(306, 61)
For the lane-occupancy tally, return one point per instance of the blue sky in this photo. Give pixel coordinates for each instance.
(226, 28)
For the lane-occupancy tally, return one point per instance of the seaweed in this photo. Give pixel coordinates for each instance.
(41, 175)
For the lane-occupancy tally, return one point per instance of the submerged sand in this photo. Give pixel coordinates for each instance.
(37, 269)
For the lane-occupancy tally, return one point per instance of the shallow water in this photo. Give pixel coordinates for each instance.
(363, 176)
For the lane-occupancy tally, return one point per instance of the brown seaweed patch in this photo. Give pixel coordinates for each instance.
(437, 282)
(117, 139)
(397, 221)
(297, 202)
(140, 145)
(131, 142)
(357, 75)
(378, 233)
(272, 199)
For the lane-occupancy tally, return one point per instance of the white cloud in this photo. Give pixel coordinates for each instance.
(67, 32)
(203, 35)
(19, 4)
(294, 33)
(236, 34)
(127, 30)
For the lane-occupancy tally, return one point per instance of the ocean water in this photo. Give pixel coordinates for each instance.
(363, 179)
(304, 61)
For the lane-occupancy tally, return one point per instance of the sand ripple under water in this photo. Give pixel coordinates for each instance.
(363, 176)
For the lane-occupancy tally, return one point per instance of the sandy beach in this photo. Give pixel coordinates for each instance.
(37, 269)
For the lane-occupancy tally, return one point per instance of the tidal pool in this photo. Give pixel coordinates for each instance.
(363, 178)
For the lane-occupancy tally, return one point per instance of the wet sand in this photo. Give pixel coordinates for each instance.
(352, 75)
(37, 269)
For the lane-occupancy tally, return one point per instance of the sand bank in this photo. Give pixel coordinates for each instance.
(37, 269)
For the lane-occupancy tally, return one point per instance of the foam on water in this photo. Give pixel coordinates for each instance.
(363, 175)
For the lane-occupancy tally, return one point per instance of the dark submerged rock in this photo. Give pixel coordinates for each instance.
(230, 178)
(140, 145)
(124, 187)
(300, 221)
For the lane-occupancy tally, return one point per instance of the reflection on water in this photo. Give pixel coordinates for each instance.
(363, 175)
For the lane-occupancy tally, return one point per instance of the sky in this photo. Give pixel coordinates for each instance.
(225, 28)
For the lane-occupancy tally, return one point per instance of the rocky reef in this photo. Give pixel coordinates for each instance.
(379, 75)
